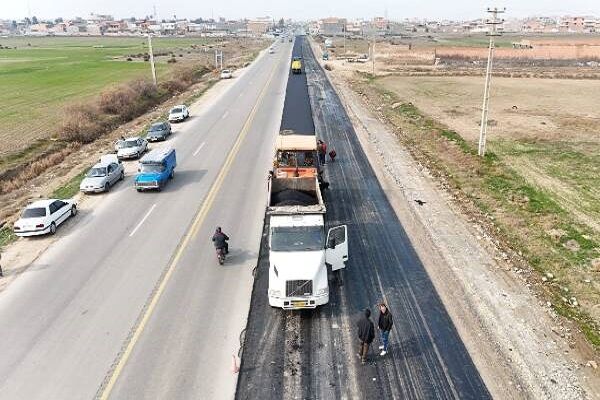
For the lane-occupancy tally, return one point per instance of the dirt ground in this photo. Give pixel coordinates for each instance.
(522, 348)
(543, 109)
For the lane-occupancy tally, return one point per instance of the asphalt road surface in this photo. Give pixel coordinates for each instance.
(130, 301)
(297, 103)
(313, 354)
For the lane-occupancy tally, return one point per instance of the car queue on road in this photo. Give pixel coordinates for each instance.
(155, 169)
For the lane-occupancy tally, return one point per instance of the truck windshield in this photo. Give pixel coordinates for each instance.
(151, 168)
(299, 238)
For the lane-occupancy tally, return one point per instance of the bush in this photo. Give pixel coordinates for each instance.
(82, 124)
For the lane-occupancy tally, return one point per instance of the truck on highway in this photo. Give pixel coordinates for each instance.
(299, 251)
(296, 65)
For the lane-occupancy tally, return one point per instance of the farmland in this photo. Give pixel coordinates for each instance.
(41, 76)
(538, 188)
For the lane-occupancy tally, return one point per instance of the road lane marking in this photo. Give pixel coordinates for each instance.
(198, 149)
(225, 114)
(113, 375)
(142, 221)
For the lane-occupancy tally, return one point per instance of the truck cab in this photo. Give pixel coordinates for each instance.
(155, 169)
(296, 156)
(296, 65)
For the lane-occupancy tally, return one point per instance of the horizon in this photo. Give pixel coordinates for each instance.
(353, 9)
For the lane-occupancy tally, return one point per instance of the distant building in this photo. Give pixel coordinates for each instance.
(259, 26)
(572, 24)
(332, 26)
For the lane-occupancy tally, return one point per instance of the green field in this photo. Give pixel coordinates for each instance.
(42, 75)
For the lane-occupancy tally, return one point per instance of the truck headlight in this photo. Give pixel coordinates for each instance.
(323, 291)
(274, 293)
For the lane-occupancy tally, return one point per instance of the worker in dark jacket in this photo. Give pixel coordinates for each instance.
(385, 326)
(220, 240)
(366, 334)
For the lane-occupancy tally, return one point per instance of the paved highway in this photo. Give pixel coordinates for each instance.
(130, 302)
(313, 354)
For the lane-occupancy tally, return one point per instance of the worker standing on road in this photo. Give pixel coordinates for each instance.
(322, 149)
(385, 326)
(366, 334)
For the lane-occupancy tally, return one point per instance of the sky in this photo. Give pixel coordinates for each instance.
(298, 10)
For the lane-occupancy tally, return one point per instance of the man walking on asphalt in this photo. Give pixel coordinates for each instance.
(385, 326)
(366, 334)
(322, 150)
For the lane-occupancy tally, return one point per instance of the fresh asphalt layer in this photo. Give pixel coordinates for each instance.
(296, 107)
(312, 354)
(130, 302)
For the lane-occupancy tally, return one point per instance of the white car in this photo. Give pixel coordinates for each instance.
(43, 216)
(178, 113)
(226, 74)
(103, 175)
(132, 147)
(271, 50)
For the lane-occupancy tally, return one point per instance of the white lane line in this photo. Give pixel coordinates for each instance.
(198, 149)
(142, 221)
(225, 114)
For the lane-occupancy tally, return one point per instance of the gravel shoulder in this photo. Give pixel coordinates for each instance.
(520, 346)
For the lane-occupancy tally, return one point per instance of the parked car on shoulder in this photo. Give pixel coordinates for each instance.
(155, 169)
(179, 113)
(44, 216)
(103, 175)
(158, 131)
(271, 50)
(132, 147)
(226, 74)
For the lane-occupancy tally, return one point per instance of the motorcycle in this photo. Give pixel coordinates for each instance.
(221, 256)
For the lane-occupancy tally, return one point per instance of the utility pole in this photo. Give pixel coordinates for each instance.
(218, 59)
(151, 58)
(492, 32)
(345, 52)
(373, 56)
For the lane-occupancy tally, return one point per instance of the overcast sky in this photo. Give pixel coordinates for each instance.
(298, 9)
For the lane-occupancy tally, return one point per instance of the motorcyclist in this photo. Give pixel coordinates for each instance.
(220, 240)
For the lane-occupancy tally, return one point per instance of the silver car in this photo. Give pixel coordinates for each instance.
(132, 147)
(103, 175)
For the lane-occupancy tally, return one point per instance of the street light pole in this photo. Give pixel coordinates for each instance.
(492, 32)
(151, 58)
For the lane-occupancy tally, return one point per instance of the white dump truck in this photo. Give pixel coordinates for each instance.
(299, 251)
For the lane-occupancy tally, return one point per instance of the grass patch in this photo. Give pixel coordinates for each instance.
(71, 188)
(7, 236)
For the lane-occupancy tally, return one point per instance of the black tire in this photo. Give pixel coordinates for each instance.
(52, 228)
(122, 175)
(139, 190)
(107, 187)
(73, 210)
(172, 175)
